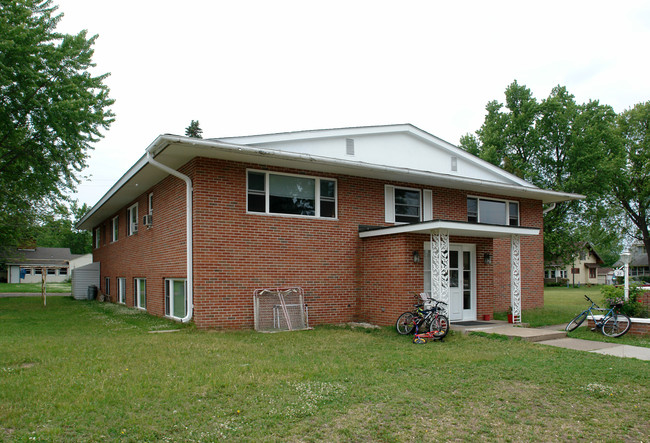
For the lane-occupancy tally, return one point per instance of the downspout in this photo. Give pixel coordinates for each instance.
(188, 212)
(549, 209)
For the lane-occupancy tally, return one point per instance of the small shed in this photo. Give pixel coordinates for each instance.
(82, 278)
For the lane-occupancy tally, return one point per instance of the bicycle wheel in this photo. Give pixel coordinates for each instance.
(616, 325)
(577, 321)
(439, 326)
(404, 324)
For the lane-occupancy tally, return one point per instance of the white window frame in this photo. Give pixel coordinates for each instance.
(131, 221)
(98, 237)
(169, 296)
(150, 203)
(317, 197)
(121, 290)
(115, 228)
(107, 285)
(425, 206)
(138, 298)
(500, 200)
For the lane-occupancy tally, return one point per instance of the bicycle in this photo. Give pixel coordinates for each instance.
(428, 316)
(612, 323)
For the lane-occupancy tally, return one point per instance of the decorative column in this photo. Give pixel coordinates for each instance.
(515, 278)
(439, 240)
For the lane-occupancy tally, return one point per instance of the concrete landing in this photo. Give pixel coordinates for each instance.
(510, 330)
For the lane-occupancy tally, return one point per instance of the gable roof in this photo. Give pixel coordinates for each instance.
(402, 153)
(41, 256)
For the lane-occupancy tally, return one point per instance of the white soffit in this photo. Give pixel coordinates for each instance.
(454, 228)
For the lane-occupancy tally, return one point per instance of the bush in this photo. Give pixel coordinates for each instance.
(560, 283)
(632, 308)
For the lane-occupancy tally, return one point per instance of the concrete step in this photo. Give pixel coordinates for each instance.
(509, 330)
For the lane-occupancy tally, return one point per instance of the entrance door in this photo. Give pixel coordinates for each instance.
(462, 280)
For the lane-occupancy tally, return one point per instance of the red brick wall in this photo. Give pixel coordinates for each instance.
(532, 262)
(635, 329)
(153, 253)
(344, 278)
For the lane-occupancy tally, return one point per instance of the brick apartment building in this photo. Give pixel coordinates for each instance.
(359, 218)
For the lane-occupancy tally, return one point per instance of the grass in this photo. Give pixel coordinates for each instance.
(562, 304)
(86, 371)
(52, 288)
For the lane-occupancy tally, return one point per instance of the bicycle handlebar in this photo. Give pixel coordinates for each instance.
(592, 302)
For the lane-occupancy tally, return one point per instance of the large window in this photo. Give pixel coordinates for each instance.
(132, 219)
(175, 298)
(140, 293)
(493, 212)
(121, 290)
(115, 224)
(271, 193)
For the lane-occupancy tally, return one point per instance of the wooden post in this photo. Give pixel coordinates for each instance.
(43, 284)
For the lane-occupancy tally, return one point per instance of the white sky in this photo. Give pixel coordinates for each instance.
(253, 67)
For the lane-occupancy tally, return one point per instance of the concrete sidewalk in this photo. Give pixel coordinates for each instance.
(34, 294)
(554, 336)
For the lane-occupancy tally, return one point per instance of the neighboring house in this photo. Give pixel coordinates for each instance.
(359, 218)
(605, 276)
(80, 260)
(29, 265)
(639, 263)
(583, 270)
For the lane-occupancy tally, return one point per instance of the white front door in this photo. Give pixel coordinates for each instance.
(462, 280)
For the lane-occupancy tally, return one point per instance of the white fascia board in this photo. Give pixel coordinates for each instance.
(371, 130)
(256, 154)
(454, 228)
(316, 134)
(116, 187)
(211, 148)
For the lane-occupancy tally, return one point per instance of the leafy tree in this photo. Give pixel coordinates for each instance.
(554, 144)
(51, 110)
(57, 230)
(631, 181)
(194, 130)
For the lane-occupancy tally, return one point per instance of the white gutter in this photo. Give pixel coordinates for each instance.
(189, 226)
(531, 191)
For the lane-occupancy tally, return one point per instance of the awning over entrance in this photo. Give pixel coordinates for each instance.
(440, 231)
(464, 229)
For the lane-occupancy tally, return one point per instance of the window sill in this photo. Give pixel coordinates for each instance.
(304, 217)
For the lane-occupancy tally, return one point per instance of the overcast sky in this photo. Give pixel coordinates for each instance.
(255, 67)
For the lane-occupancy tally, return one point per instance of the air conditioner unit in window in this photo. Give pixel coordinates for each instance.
(147, 220)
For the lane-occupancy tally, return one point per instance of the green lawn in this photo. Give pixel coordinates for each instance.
(85, 371)
(52, 288)
(562, 304)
